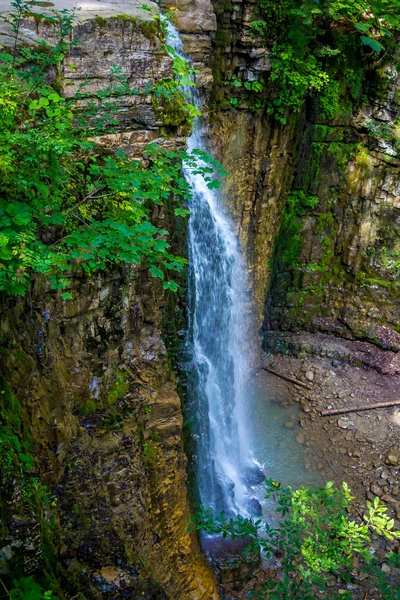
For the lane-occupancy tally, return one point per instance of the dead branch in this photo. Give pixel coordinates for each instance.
(287, 378)
(341, 411)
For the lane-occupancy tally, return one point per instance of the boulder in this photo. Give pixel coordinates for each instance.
(253, 475)
(253, 506)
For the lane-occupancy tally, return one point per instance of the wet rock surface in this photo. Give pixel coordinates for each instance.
(235, 565)
(253, 475)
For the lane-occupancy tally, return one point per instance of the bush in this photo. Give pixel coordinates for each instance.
(315, 537)
(66, 204)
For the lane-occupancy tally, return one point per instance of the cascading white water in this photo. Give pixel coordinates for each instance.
(218, 337)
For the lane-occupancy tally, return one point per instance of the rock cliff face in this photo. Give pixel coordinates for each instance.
(97, 394)
(344, 280)
(257, 153)
(100, 405)
(341, 277)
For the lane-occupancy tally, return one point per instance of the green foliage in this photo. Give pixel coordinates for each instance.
(288, 247)
(329, 100)
(119, 388)
(14, 459)
(66, 204)
(254, 89)
(296, 76)
(22, 494)
(315, 537)
(306, 37)
(149, 454)
(27, 589)
(171, 101)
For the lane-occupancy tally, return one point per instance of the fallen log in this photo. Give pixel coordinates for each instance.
(341, 411)
(287, 378)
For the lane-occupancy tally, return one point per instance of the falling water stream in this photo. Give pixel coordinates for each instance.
(229, 443)
(218, 331)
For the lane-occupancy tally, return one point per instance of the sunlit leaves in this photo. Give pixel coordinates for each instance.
(315, 537)
(67, 205)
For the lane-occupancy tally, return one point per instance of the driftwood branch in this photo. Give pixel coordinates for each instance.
(341, 411)
(287, 378)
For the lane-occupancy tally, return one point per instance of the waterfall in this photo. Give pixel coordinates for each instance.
(217, 337)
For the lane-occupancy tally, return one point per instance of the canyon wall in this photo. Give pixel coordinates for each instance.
(96, 393)
(96, 388)
(335, 272)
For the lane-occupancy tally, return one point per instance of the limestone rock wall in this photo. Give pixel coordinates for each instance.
(98, 396)
(345, 278)
(100, 404)
(250, 145)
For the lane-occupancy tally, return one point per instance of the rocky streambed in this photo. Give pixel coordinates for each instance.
(361, 448)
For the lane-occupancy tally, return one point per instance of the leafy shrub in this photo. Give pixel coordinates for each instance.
(305, 35)
(27, 589)
(66, 204)
(314, 538)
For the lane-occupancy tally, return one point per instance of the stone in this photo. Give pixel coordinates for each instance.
(393, 457)
(233, 564)
(389, 499)
(343, 393)
(253, 475)
(343, 424)
(310, 375)
(375, 489)
(253, 506)
(300, 438)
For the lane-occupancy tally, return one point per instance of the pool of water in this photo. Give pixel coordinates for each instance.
(276, 437)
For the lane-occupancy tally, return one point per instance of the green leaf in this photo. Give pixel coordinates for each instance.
(361, 27)
(372, 43)
(170, 285)
(155, 272)
(20, 213)
(182, 212)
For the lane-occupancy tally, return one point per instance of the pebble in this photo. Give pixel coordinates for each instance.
(343, 424)
(393, 457)
(389, 499)
(343, 393)
(385, 568)
(310, 375)
(305, 405)
(375, 489)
